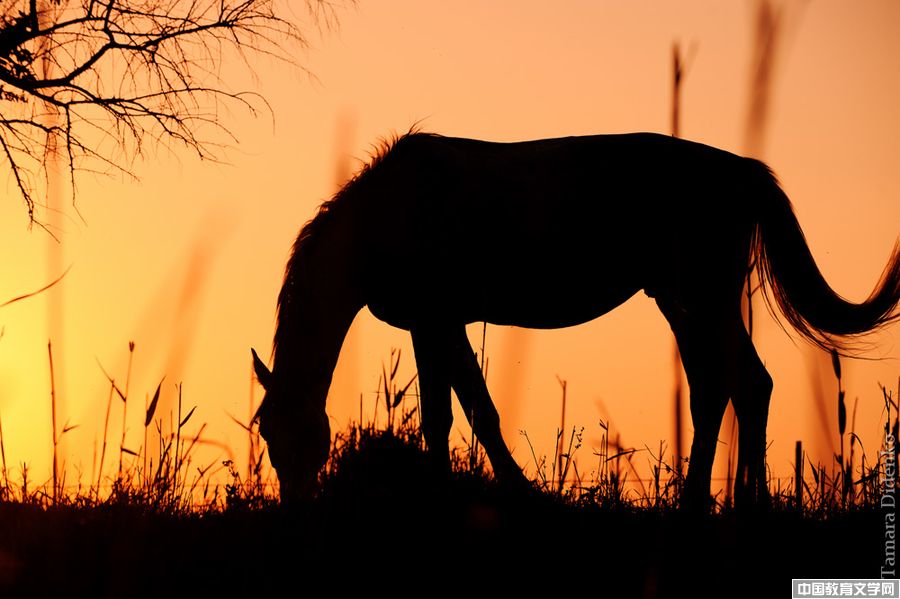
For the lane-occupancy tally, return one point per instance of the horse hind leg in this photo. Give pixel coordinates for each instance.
(432, 361)
(751, 405)
(468, 381)
(707, 349)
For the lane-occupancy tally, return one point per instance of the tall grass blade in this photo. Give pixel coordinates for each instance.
(186, 418)
(53, 423)
(151, 409)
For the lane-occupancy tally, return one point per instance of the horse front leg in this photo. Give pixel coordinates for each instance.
(468, 381)
(432, 360)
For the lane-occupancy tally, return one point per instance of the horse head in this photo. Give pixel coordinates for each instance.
(296, 430)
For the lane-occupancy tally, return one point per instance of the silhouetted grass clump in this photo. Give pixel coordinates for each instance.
(367, 461)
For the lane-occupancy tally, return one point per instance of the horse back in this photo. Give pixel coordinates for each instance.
(552, 232)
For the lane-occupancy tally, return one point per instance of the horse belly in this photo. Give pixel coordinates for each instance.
(524, 294)
(550, 302)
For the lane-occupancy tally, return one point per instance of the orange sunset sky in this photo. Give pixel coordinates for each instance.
(187, 262)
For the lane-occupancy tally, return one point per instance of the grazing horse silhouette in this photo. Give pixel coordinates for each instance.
(485, 231)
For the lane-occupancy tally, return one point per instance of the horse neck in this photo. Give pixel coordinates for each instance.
(318, 303)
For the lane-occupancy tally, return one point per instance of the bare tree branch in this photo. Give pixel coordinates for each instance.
(39, 291)
(88, 82)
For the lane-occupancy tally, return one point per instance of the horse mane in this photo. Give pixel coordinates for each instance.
(310, 232)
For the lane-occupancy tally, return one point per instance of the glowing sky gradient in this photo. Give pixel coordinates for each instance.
(500, 71)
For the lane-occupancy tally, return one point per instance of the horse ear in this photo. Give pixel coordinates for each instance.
(263, 374)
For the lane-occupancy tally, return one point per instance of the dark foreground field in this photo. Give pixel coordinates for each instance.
(382, 521)
(452, 539)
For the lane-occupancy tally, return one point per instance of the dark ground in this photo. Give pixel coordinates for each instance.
(377, 525)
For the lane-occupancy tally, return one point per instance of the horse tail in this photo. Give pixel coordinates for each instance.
(791, 280)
